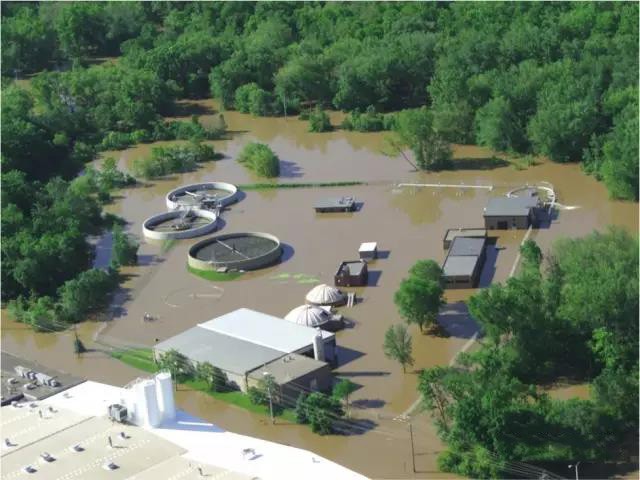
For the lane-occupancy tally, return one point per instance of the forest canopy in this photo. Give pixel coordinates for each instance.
(556, 79)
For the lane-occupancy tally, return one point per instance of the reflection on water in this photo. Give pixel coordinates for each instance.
(408, 225)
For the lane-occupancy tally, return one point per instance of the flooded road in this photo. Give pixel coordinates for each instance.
(408, 224)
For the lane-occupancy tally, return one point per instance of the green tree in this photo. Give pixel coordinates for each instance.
(415, 130)
(124, 248)
(250, 98)
(86, 293)
(419, 301)
(398, 346)
(426, 270)
(322, 412)
(343, 389)
(301, 409)
(177, 364)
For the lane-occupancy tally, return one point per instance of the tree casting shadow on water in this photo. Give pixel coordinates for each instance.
(483, 163)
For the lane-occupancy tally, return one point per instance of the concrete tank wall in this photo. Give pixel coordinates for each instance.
(224, 201)
(251, 264)
(179, 234)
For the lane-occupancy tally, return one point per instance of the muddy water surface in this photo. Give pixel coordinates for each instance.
(408, 224)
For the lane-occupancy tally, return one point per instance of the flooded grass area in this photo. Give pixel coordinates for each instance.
(408, 223)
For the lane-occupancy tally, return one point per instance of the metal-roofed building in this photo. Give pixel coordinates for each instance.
(271, 332)
(335, 204)
(463, 265)
(502, 213)
(352, 274)
(452, 233)
(244, 340)
(233, 356)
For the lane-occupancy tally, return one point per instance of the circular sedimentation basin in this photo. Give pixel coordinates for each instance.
(235, 251)
(205, 195)
(169, 225)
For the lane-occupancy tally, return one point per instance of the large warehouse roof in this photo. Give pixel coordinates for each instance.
(226, 352)
(510, 206)
(266, 330)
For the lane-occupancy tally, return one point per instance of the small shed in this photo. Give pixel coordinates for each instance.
(368, 250)
(502, 213)
(353, 273)
(335, 204)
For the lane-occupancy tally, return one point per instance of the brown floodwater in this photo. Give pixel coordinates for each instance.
(408, 223)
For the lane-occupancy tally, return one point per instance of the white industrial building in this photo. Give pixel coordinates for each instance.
(70, 436)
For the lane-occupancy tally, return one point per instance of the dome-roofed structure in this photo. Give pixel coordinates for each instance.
(309, 316)
(325, 295)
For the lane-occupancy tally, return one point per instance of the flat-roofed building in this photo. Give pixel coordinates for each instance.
(502, 213)
(463, 265)
(244, 340)
(292, 374)
(352, 274)
(452, 233)
(335, 204)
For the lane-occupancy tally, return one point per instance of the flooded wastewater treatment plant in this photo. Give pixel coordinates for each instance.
(209, 220)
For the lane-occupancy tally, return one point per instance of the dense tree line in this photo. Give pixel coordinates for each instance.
(571, 315)
(553, 79)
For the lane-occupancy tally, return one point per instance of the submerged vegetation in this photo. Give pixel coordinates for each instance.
(267, 186)
(543, 325)
(261, 159)
(172, 159)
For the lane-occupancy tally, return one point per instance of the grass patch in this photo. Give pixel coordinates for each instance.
(167, 245)
(267, 186)
(142, 359)
(214, 276)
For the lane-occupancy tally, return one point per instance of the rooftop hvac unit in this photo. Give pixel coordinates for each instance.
(22, 371)
(118, 412)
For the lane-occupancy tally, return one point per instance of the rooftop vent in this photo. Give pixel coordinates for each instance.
(76, 448)
(29, 469)
(110, 466)
(47, 457)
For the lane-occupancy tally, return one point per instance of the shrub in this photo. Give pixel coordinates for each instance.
(257, 396)
(261, 159)
(319, 121)
(124, 250)
(176, 158)
(370, 121)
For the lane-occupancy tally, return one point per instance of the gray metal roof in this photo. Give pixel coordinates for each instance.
(510, 206)
(335, 202)
(465, 246)
(353, 268)
(234, 355)
(460, 266)
(288, 368)
(266, 330)
(465, 232)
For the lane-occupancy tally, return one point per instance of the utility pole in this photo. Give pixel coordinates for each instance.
(576, 467)
(413, 455)
(268, 382)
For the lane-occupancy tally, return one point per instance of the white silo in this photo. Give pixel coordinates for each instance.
(318, 346)
(164, 392)
(147, 414)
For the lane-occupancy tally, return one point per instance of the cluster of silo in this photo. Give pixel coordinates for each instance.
(149, 401)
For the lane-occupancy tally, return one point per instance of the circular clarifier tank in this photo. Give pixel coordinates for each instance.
(235, 251)
(179, 224)
(202, 195)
